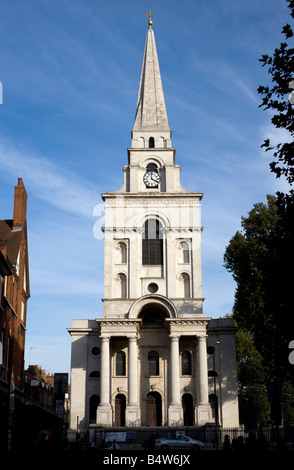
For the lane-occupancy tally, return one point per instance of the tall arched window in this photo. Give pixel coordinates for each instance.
(185, 252)
(153, 363)
(186, 285)
(122, 285)
(120, 366)
(186, 363)
(151, 143)
(94, 402)
(122, 247)
(152, 243)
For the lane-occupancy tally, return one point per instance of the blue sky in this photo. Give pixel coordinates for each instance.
(70, 72)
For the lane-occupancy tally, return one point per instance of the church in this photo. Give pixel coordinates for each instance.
(153, 358)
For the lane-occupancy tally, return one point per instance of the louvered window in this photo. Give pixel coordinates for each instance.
(152, 243)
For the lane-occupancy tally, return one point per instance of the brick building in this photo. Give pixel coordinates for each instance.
(14, 294)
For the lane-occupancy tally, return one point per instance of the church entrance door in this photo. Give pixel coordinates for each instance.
(120, 410)
(153, 409)
(187, 402)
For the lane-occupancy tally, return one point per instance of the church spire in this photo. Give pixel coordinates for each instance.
(151, 112)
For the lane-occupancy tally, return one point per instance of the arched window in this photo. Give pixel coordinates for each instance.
(122, 247)
(185, 252)
(213, 401)
(152, 243)
(151, 167)
(186, 363)
(123, 285)
(94, 402)
(151, 143)
(120, 363)
(186, 285)
(153, 363)
(95, 374)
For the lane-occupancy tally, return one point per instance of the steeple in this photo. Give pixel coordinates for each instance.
(151, 112)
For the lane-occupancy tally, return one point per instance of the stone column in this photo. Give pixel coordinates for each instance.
(105, 371)
(133, 415)
(203, 410)
(202, 369)
(104, 411)
(175, 370)
(133, 372)
(175, 409)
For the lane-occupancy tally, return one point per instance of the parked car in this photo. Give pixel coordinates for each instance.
(179, 442)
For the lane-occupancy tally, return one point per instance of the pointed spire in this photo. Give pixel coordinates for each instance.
(151, 112)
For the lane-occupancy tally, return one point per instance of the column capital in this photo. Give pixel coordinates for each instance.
(133, 338)
(202, 337)
(174, 337)
(105, 338)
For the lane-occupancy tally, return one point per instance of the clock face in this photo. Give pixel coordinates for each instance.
(151, 179)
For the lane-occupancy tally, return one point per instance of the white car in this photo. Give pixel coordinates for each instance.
(179, 442)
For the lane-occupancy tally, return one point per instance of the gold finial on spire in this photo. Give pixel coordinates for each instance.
(150, 22)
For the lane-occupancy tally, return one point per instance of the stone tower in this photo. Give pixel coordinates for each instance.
(153, 286)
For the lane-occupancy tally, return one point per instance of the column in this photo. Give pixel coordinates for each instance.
(133, 412)
(203, 409)
(175, 409)
(133, 372)
(202, 368)
(105, 371)
(104, 410)
(175, 370)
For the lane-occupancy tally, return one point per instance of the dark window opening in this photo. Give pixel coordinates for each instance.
(120, 363)
(151, 142)
(94, 402)
(186, 363)
(152, 243)
(153, 363)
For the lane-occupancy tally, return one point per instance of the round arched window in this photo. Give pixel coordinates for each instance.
(95, 351)
(152, 287)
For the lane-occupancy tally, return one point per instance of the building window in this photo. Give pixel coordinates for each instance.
(123, 285)
(153, 363)
(120, 363)
(151, 142)
(94, 402)
(186, 285)
(95, 374)
(152, 243)
(186, 363)
(185, 252)
(122, 247)
(95, 351)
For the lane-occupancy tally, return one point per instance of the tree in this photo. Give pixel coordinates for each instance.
(254, 407)
(281, 68)
(260, 258)
(253, 256)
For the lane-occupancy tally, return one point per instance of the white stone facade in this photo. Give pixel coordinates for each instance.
(145, 361)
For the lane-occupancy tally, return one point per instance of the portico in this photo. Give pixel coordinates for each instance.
(137, 379)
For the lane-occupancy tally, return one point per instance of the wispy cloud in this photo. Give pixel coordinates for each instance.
(54, 184)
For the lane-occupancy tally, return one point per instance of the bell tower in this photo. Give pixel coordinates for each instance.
(152, 273)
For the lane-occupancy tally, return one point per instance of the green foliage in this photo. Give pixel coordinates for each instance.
(253, 400)
(260, 258)
(276, 97)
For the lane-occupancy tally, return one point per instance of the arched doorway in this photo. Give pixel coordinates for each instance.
(94, 402)
(187, 403)
(153, 409)
(120, 410)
